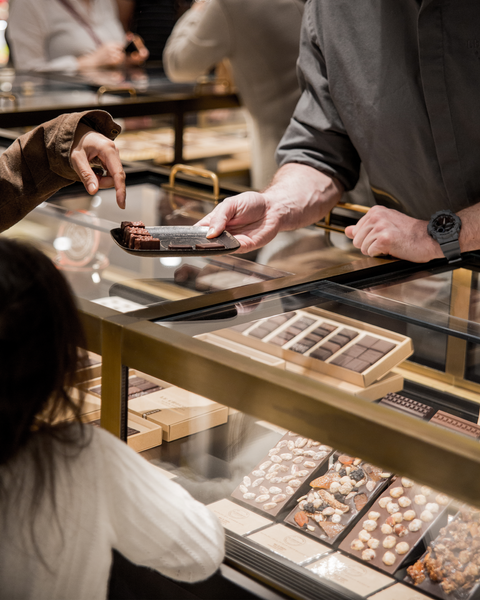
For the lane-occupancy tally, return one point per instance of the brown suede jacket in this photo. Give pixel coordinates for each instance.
(37, 164)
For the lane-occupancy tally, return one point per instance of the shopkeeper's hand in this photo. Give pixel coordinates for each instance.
(90, 146)
(248, 216)
(384, 231)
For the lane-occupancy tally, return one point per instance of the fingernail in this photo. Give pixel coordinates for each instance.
(211, 231)
(92, 188)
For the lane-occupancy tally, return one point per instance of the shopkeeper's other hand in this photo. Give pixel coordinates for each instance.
(90, 146)
(384, 231)
(248, 216)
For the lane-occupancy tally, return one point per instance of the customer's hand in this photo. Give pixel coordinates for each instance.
(107, 55)
(141, 54)
(384, 231)
(90, 146)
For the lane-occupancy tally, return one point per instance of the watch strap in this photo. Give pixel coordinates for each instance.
(451, 250)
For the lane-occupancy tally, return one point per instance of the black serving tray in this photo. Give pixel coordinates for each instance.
(180, 235)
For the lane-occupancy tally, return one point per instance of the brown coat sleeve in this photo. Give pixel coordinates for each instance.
(37, 164)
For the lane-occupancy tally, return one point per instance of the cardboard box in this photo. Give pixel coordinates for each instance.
(92, 369)
(401, 346)
(242, 349)
(178, 412)
(148, 435)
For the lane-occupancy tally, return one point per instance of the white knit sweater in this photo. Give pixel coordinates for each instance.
(107, 497)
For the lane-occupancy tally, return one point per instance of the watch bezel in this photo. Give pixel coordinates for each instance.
(447, 236)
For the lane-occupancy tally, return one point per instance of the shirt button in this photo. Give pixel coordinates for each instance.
(114, 132)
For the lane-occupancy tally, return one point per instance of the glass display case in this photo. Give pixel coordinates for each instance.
(29, 99)
(328, 415)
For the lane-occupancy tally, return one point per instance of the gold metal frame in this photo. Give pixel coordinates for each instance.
(171, 186)
(105, 89)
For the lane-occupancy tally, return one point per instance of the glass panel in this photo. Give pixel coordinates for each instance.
(74, 230)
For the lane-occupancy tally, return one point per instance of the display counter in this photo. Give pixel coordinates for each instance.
(329, 417)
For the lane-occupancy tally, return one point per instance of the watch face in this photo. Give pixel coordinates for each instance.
(444, 226)
(445, 223)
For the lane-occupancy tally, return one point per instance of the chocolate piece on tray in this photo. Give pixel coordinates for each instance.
(449, 569)
(173, 246)
(209, 246)
(456, 424)
(125, 224)
(407, 405)
(129, 231)
(337, 497)
(146, 243)
(278, 477)
(394, 524)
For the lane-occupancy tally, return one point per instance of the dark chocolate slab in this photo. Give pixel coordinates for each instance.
(407, 405)
(422, 508)
(334, 494)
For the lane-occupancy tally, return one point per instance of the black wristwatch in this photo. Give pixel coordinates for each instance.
(444, 227)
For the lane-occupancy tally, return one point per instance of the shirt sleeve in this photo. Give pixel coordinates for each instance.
(200, 39)
(316, 135)
(37, 164)
(156, 522)
(27, 32)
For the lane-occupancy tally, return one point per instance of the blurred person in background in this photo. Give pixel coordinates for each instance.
(260, 40)
(70, 35)
(152, 20)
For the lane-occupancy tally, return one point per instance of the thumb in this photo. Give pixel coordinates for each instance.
(349, 231)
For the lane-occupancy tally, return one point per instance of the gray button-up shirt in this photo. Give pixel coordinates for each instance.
(394, 84)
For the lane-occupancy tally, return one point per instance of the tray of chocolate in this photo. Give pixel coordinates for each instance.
(136, 239)
(277, 479)
(450, 567)
(328, 343)
(394, 525)
(336, 498)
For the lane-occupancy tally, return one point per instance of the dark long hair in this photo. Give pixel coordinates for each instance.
(40, 340)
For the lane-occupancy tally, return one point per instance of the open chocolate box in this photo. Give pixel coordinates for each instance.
(337, 497)
(331, 344)
(388, 534)
(278, 477)
(449, 569)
